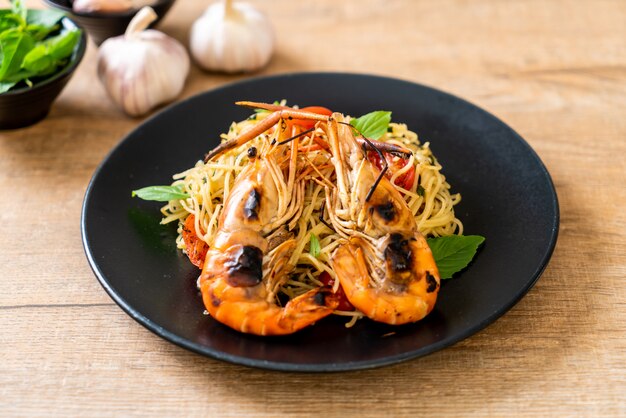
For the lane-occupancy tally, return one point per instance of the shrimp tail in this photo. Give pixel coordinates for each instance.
(306, 309)
(233, 307)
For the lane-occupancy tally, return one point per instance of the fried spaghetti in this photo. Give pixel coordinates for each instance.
(208, 185)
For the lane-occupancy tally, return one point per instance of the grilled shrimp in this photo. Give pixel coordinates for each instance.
(242, 272)
(386, 267)
(371, 214)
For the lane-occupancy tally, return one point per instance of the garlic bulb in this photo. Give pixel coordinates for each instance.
(142, 68)
(109, 6)
(232, 37)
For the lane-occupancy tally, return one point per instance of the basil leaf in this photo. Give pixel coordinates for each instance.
(62, 45)
(6, 86)
(14, 45)
(373, 125)
(452, 254)
(161, 193)
(21, 75)
(47, 56)
(39, 61)
(9, 20)
(314, 247)
(39, 32)
(25, 53)
(48, 17)
(420, 190)
(18, 8)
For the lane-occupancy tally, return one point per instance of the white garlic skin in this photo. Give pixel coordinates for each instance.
(239, 40)
(109, 6)
(142, 71)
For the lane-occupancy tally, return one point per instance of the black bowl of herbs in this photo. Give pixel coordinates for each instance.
(104, 25)
(39, 51)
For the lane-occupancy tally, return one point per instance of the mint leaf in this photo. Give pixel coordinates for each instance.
(452, 254)
(161, 193)
(314, 247)
(373, 125)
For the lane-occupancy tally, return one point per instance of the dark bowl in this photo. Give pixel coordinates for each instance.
(25, 106)
(102, 26)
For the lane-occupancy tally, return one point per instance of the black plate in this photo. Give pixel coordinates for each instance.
(508, 197)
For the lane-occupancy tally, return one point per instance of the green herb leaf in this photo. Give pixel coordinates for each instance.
(420, 190)
(21, 75)
(39, 32)
(9, 20)
(47, 17)
(14, 45)
(452, 254)
(18, 8)
(373, 125)
(39, 61)
(5, 86)
(47, 56)
(161, 193)
(27, 52)
(314, 247)
(62, 45)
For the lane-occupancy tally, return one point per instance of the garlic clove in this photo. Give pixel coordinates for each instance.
(232, 37)
(142, 68)
(109, 6)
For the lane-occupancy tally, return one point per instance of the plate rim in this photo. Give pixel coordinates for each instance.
(326, 367)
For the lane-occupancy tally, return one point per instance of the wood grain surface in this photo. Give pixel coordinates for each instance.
(554, 70)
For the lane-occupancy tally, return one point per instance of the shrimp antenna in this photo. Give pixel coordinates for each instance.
(382, 159)
(321, 217)
(303, 133)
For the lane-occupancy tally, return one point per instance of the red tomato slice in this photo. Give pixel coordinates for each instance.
(308, 124)
(344, 303)
(406, 180)
(195, 247)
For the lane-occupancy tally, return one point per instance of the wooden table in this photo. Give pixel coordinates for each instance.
(555, 71)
